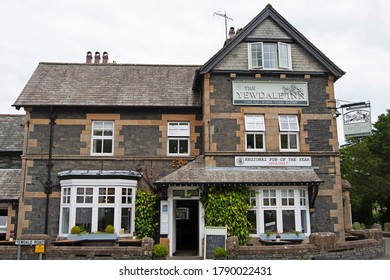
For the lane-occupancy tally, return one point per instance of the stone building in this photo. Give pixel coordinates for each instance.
(11, 144)
(260, 114)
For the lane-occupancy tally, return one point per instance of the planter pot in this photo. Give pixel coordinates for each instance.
(92, 236)
(292, 236)
(264, 236)
(283, 236)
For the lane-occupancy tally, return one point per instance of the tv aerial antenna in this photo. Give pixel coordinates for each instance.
(226, 18)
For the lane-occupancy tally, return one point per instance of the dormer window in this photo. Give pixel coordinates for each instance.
(269, 56)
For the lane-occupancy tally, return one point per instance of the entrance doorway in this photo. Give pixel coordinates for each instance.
(187, 227)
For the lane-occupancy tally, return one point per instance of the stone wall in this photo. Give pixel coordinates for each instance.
(143, 252)
(321, 246)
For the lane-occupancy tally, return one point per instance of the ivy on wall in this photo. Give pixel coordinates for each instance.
(145, 214)
(227, 207)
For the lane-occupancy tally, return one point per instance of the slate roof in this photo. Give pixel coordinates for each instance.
(9, 184)
(101, 174)
(81, 84)
(195, 173)
(11, 133)
(270, 12)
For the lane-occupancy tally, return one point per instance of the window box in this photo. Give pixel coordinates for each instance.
(283, 236)
(92, 236)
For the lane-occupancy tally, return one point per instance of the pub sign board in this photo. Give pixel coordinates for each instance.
(270, 93)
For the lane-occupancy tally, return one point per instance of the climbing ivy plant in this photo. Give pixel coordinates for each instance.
(228, 207)
(145, 214)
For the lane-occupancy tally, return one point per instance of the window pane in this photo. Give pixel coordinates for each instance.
(303, 221)
(259, 141)
(3, 220)
(98, 128)
(283, 141)
(250, 141)
(251, 217)
(183, 146)
(105, 218)
(302, 196)
(84, 218)
(65, 220)
(126, 219)
(127, 196)
(283, 55)
(173, 146)
(256, 53)
(270, 221)
(293, 141)
(288, 220)
(269, 53)
(97, 145)
(107, 147)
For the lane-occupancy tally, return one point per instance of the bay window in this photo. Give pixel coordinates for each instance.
(92, 204)
(279, 210)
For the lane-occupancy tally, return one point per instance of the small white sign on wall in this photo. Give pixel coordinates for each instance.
(273, 161)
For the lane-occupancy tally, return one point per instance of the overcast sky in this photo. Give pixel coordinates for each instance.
(354, 34)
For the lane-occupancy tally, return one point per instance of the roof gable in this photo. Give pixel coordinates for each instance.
(79, 84)
(287, 30)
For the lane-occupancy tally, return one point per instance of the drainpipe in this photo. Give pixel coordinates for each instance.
(49, 183)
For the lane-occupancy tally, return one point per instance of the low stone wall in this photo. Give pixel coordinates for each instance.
(321, 246)
(143, 252)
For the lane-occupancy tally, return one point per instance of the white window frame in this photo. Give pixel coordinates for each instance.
(300, 208)
(102, 138)
(180, 132)
(289, 127)
(69, 188)
(254, 125)
(282, 58)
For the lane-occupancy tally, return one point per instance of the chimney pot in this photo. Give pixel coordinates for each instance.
(105, 57)
(232, 33)
(89, 57)
(97, 57)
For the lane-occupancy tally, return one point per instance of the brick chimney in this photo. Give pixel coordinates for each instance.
(97, 57)
(105, 57)
(89, 57)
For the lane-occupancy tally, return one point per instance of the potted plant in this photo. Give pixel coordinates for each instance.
(220, 253)
(78, 233)
(159, 252)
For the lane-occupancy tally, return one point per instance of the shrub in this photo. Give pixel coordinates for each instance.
(220, 252)
(75, 230)
(145, 214)
(159, 251)
(228, 207)
(110, 229)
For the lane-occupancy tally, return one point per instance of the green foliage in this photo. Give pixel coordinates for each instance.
(109, 229)
(228, 207)
(365, 164)
(220, 252)
(159, 251)
(75, 230)
(145, 214)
